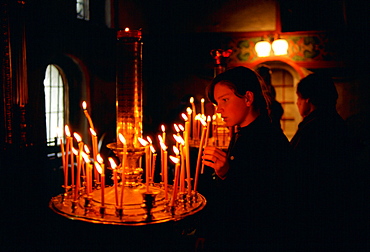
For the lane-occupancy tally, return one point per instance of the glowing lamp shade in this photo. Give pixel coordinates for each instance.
(263, 48)
(280, 47)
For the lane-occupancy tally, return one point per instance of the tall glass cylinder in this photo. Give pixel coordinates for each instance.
(129, 87)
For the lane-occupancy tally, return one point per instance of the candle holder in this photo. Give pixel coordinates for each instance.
(74, 205)
(182, 200)
(148, 205)
(102, 211)
(65, 194)
(119, 212)
(87, 205)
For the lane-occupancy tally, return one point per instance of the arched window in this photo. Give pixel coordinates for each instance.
(54, 103)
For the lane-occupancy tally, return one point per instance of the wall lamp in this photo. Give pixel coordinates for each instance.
(278, 46)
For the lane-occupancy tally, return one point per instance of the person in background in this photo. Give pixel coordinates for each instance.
(277, 110)
(321, 145)
(247, 209)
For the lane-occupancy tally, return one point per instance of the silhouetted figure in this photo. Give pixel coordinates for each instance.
(327, 192)
(276, 110)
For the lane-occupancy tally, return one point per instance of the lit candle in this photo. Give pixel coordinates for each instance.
(202, 106)
(79, 161)
(176, 179)
(189, 112)
(187, 152)
(163, 134)
(114, 168)
(165, 169)
(65, 168)
(194, 112)
(197, 169)
(205, 144)
(88, 171)
(146, 146)
(69, 147)
(150, 157)
(95, 150)
(102, 188)
(84, 106)
(161, 141)
(154, 157)
(124, 150)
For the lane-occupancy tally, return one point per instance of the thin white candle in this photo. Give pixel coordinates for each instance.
(79, 162)
(200, 150)
(102, 187)
(187, 153)
(115, 181)
(84, 106)
(205, 144)
(95, 150)
(146, 146)
(176, 160)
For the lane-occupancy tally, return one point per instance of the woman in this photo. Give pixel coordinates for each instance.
(247, 206)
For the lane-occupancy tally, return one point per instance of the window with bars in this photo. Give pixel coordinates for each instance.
(82, 9)
(54, 104)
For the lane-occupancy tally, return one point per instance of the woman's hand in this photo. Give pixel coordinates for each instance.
(217, 159)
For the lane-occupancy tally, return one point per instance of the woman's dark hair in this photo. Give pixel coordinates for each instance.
(320, 89)
(242, 79)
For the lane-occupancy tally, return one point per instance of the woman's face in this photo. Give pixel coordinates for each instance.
(233, 109)
(303, 106)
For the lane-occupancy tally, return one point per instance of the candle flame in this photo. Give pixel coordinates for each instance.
(86, 148)
(77, 136)
(176, 150)
(84, 105)
(99, 159)
(208, 118)
(163, 146)
(127, 29)
(214, 117)
(112, 163)
(75, 152)
(85, 157)
(174, 159)
(189, 111)
(163, 128)
(191, 99)
(149, 139)
(179, 139)
(160, 138)
(203, 122)
(142, 141)
(184, 117)
(98, 167)
(176, 127)
(93, 132)
(181, 127)
(66, 129)
(202, 100)
(197, 117)
(152, 148)
(122, 138)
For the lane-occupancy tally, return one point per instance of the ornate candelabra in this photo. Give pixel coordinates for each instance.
(128, 201)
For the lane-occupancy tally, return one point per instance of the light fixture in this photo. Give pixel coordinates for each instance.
(263, 48)
(280, 47)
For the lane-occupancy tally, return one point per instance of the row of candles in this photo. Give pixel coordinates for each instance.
(221, 134)
(84, 170)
